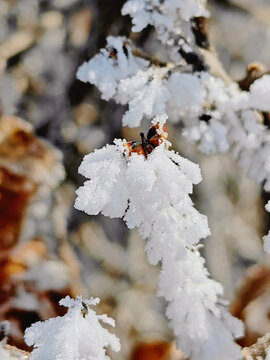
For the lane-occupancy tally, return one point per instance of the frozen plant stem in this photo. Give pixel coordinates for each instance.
(151, 192)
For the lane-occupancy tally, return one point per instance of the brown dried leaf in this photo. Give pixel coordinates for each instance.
(15, 194)
(23, 153)
(252, 304)
(156, 350)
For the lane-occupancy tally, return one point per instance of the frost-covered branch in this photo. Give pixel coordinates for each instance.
(149, 186)
(177, 24)
(216, 115)
(148, 89)
(76, 336)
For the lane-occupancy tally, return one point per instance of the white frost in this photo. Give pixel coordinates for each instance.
(171, 18)
(152, 194)
(77, 335)
(148, 90)
(114, 63)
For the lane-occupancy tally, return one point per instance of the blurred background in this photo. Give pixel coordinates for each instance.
(49, 121)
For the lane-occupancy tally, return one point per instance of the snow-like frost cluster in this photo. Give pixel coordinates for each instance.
(257, 97)
(148, 90)
(235, 123)
(170, 18)
(214, 115)
(78, 335)
(108, 68)
(152, 194)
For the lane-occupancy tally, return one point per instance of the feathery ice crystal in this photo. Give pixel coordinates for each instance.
(148, 90)
(152, 193)
(173, 20)
(102, 70)
(75, 336)
(160, 13)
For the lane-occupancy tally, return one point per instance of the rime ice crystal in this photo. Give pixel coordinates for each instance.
(77, 335)
(108, 68)
(152, 194)
(148, 90)
(170, 18)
